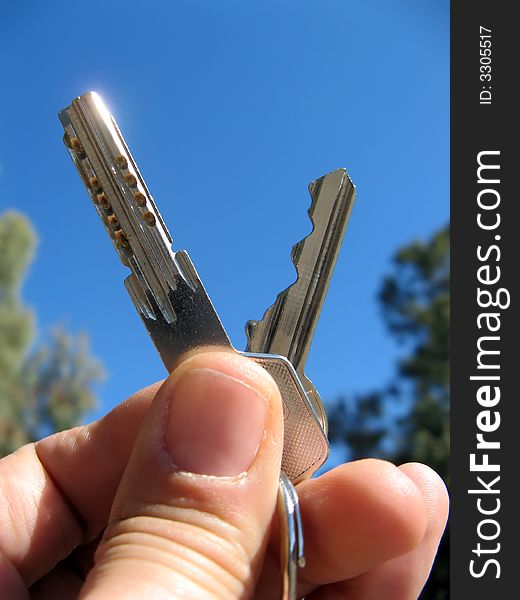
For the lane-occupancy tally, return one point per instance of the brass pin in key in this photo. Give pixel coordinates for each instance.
(176, 310)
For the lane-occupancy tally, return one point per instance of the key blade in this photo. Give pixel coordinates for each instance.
(197, 323)
(164, 285)
(121, 197)
(288, 325)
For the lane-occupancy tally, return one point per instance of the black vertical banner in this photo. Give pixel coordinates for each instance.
(485, 346)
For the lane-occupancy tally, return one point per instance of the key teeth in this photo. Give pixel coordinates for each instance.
(314, 189)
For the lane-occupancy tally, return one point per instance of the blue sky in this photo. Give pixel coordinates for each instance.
(230, 108)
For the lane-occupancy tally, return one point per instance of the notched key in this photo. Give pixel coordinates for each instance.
(288, 326)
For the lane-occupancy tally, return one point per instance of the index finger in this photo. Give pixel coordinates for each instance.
(56, 494)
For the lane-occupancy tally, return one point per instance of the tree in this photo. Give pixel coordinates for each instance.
(409, 419)
(44, 388)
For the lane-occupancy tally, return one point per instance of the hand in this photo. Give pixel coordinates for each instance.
(175, 499)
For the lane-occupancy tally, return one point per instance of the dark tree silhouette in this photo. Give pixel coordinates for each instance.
(408, 420)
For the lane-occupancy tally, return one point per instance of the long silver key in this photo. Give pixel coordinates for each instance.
(164, 284)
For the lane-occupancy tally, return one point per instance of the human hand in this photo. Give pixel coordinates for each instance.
(176, 497)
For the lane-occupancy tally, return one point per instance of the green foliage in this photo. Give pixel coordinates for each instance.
(358, 422)
(416, 305)
(17, 242)
(42, 389)
(409, 419)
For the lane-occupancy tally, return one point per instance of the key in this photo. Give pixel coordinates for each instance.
(288, 325)
(287, 328)
(163, 285)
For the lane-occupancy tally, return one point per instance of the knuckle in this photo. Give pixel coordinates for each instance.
(181, 545)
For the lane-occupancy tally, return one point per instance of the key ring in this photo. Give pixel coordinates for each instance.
(291, 538)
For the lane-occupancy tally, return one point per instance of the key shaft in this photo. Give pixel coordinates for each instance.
(288, 326)
(164, 285)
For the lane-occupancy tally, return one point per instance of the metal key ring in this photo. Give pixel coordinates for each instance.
(291, 538)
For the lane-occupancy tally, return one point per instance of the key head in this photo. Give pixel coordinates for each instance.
(305, 443)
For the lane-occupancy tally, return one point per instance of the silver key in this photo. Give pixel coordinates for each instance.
(288, 325)
(287, 328)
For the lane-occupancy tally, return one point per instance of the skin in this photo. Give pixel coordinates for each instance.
(101, 511)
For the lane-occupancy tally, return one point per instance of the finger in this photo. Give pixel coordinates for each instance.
(358, 515)
(354, 517)
(402, 577)
(57, 493)
(193, 511)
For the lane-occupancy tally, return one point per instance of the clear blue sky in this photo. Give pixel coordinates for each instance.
(231, 108)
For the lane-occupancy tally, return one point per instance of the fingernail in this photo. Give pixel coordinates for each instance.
(215, 423)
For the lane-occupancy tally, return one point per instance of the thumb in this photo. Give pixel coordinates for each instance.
(192, 513)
